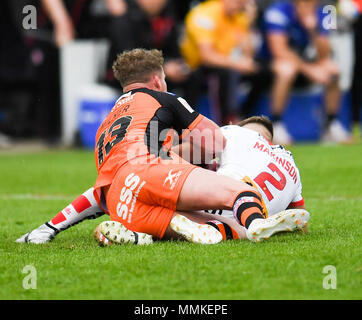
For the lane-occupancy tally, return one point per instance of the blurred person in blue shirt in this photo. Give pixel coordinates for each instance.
(296, 52)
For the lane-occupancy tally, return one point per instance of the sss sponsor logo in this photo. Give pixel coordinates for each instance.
(127, 195)
(172, 178)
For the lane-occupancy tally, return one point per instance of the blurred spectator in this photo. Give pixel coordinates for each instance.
(263, 4)
(146, 24)
(59, 22)
(296, 50)
(16, 74)
(352, 9)
(183, 7)
(218, 44)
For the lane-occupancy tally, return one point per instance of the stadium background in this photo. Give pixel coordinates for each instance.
(59, 95)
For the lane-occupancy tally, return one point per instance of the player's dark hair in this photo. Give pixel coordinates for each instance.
(263, 120)
(137, 65)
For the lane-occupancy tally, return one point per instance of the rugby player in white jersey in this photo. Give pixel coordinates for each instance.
(249, 155)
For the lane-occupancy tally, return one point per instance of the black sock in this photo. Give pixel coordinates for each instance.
(228, 233)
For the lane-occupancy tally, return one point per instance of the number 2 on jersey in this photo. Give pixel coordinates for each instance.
(113, 131)
(265, 176)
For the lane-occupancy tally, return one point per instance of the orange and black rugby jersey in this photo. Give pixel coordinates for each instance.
(137, 126)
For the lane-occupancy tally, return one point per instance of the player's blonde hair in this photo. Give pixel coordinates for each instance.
(137, 65)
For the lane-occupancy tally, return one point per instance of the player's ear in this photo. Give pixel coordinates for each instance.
(156, 82)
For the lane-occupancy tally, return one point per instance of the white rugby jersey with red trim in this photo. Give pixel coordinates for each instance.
(270, 167)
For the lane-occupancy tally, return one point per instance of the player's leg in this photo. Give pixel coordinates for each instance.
(114, 232)
(179, 186)
(83, 207)
(187, 188)
(144, 199)
(198, 222)
(225, 193)
(184, 187)
(196, 227)
(203, 228)
(132, 215)
(148, 201)
(285, 221)
(204, 189)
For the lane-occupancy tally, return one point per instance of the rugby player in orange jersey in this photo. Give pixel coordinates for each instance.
(145, 186)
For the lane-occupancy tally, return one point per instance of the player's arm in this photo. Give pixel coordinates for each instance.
(200, 139)
(202, 142)
(208, 136)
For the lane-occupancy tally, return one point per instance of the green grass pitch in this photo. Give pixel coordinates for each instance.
(35, 186)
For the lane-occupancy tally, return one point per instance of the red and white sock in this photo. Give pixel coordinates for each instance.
(83, 207)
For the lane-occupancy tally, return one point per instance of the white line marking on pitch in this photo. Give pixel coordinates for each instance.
(29, 196)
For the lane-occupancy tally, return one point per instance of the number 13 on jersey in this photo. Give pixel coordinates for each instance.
(114, 135)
